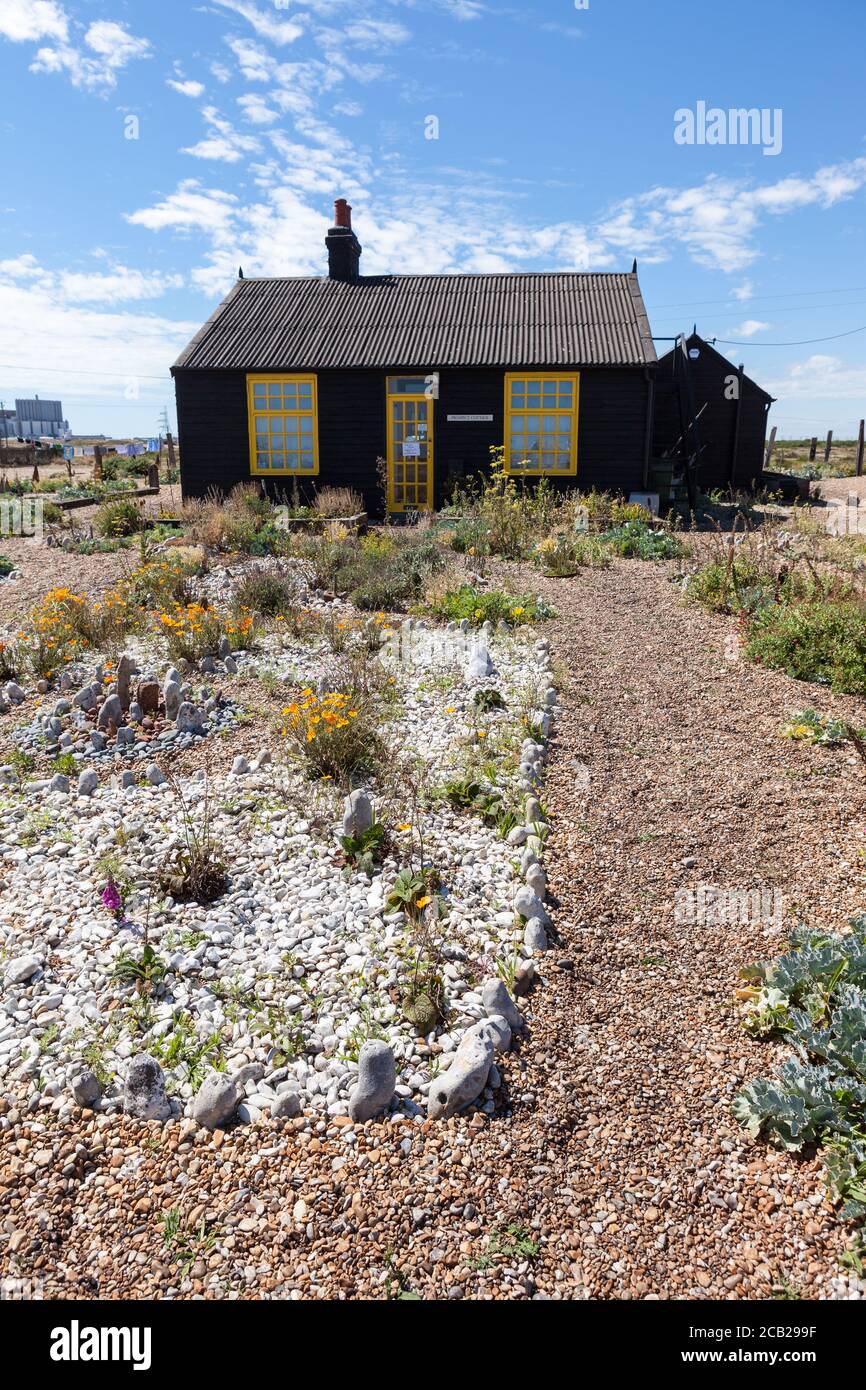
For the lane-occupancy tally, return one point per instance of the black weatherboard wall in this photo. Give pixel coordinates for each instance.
(733, 431)
(214, 438)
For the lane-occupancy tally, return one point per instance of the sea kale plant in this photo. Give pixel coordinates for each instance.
(814, 996)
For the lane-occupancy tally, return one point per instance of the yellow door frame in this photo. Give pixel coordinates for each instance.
(418, 398)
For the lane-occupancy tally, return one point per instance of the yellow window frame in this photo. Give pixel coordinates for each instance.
(283, 413)
(572, 413)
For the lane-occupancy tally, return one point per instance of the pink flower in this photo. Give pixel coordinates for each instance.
(111, 898)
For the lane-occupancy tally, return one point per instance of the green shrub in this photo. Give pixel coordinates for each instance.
(6, 565)
(733, 587)
(814, 997)
(813, 641)
(489, 605)
(121, 518)
(559, 557)
(637, 540)
(266, 592)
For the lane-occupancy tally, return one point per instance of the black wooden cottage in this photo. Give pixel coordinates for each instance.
(311, 380)
(731, 412)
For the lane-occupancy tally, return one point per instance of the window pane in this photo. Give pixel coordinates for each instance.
(277, 458)
(290, 395)
(260, 395)
(307, 459)
(305, 393)
(274, 394)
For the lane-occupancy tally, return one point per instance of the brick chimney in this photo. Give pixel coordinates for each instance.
(344, 248)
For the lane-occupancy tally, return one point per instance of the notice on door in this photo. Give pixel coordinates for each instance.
(411, 449)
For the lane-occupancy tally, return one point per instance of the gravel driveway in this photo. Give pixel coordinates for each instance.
(619, 1173)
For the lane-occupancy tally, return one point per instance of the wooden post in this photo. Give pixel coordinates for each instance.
(170, 445)
(828, 446)
(813, 448)
(771, 444)
(860, 450)
(153, 476)
(97, 463)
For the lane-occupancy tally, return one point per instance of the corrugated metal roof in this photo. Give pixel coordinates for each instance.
(561, 318)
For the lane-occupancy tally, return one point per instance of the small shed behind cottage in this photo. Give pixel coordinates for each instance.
(732, 409)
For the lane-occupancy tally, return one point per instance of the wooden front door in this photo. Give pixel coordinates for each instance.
(410, 450)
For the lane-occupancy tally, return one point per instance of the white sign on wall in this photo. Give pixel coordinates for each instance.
(466, 419)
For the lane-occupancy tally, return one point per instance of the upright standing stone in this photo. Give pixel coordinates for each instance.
(124, 672)
(357, 814)
(377, 1079)
(144, 1092)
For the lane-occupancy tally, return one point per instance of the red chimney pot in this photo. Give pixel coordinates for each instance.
(342, 213)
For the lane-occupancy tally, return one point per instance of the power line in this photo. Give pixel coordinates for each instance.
(803, 342)
(77, 371)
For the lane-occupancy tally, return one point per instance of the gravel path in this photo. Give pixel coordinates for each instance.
(619, 1173)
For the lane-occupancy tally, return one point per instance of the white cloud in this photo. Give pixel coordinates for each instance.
(189, 208)
(278, 31)
(118, 285)
(717, 221)
(21, 267)
(743, 291)
(117, 348)
(113, 45)
(22, 20)
(224, 143)
(186, 86)
(820, 377)
(256, 109)
(748, 328)
(255, 64)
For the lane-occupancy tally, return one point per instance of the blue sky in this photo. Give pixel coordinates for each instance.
(555, 150)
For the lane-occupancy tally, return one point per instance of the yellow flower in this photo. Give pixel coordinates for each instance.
(422, 902)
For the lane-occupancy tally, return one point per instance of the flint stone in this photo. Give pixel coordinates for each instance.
(534, 935)
(216, 1101)
(14, 693)
(287, 1106)
(479, 666)
(171, 696)
(231, 666)
(110, 713)
(524, 977)
(357, 814)
(377, 1078)
(497, 1000)
(147, 695)
(85, 698)
(240, 765)
(135, 713)
(98, 740)
(534, 813)
(17, 971)
(496, 1029)
(144, 1092)
(536, 879)
(155, 775)
(528, 904)
(87, 782)
(464, 1080)
(59, 783)
(86, 1090)
(190, 719)
(125, 668)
